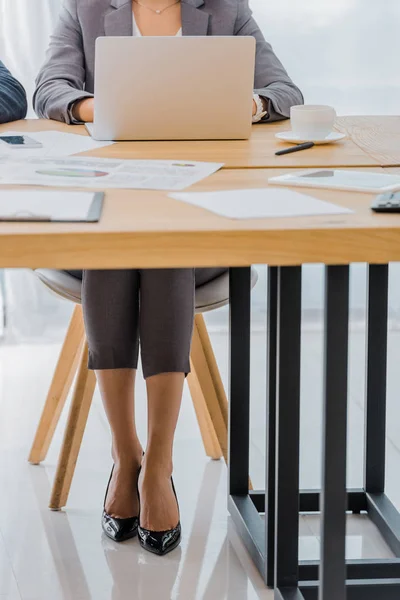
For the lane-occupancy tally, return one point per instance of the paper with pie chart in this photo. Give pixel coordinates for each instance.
(99, 173)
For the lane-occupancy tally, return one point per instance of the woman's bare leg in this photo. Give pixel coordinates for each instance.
(117, 391)
(159, 510)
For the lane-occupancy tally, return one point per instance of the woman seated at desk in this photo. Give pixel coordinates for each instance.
(164, 320)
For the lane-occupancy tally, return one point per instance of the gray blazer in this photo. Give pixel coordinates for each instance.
(68, 73)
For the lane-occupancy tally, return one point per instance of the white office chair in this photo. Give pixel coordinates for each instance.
(206, 388)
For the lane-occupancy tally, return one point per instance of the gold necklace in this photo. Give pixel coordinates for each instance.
(157, 11)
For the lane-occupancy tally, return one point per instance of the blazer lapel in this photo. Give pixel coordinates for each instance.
(194, 21)
(118, 21)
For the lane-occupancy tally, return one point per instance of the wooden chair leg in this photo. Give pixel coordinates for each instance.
(207, 430)
(208, 394)
(77, 419)
(212, 366)
(60, 386)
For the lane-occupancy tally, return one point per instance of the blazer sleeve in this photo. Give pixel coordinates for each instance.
(61, 80)
(271, 79)
(13, 104)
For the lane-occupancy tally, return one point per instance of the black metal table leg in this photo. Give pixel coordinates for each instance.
(380, 509)
(375, 422)
(288, 434)
(241, 507)
(334, 441)
(272, 320)
(239, 425)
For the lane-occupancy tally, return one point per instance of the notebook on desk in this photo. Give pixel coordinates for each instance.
(50, 206)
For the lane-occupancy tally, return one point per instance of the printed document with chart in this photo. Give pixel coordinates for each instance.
(105, 173)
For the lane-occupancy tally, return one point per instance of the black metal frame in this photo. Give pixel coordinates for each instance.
(271, 542)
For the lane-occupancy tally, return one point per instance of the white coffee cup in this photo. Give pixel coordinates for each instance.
(312, 122)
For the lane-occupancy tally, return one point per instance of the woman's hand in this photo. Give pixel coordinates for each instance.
(254, 108)
(84, 110)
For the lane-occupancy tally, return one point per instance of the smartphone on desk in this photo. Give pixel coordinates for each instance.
(20, 141)
(387, 203)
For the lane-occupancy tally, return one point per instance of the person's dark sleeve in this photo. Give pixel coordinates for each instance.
(13, 104)
(271, 79)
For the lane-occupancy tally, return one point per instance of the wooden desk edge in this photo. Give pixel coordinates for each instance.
(203, 249)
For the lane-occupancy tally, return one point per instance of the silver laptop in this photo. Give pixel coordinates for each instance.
(173, 88)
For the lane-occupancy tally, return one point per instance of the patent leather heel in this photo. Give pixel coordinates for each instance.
(161, 542)
(118, 530)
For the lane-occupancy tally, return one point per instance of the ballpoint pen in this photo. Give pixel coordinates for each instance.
(297, 148)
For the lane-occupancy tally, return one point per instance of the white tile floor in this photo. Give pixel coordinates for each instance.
(51, 556)
(63, 556)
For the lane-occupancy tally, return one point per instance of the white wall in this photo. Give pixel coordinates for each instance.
(342, 52)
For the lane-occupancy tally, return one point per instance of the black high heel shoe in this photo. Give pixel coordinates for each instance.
(118, 530)
(161, 542)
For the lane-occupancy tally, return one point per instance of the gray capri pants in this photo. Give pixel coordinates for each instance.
(155, 306)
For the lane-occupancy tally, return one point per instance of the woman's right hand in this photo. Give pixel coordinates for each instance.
(84, 110)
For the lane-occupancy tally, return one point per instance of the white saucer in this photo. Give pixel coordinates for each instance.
(288, 136)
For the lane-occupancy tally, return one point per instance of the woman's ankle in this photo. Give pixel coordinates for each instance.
(128, 454)
(157, 461)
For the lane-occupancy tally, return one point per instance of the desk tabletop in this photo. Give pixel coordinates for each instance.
(378, 136)
(369, 144)
(149, 229)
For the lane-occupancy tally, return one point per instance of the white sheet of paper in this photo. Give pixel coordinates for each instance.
(260, 203)
(357, 181)
(58, 206)
(103, 173)
(55, 143)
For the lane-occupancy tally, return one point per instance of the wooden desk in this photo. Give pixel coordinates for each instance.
(379, 137)
(258, 152)
(149, 229)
